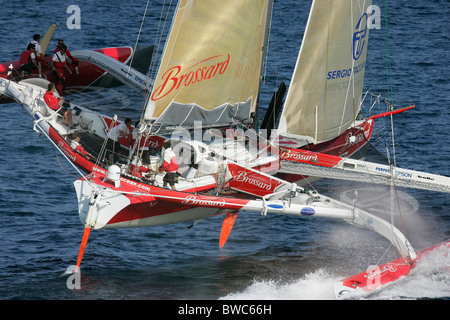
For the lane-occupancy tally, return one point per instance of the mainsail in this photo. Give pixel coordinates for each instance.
(325, 91)
(211, 65)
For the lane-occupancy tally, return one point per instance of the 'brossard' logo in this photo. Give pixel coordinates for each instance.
(242, 177)
(203, 202)
(174, 78)
(300, 156)
(379, 272)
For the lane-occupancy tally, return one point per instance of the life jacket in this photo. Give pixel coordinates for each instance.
(68, 54)
(170, 163)
(78, 147)
(61, 60)
(25, 57)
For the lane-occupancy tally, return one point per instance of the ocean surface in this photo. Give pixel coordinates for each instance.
(266, 257)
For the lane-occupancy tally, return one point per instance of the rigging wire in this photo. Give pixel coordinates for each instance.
(388, 59)
(102, 153)
(153, 69)
(158, 40)
(139, 34)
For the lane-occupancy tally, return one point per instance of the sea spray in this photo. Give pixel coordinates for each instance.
(317, 285)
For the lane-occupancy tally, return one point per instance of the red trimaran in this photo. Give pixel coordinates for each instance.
(203, 100)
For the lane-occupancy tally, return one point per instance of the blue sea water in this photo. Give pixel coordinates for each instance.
(266, 257)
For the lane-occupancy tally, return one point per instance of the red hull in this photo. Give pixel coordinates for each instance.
(331, 152)
(139, 208)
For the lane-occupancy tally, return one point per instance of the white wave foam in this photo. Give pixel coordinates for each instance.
(317, 285)
(429, 280)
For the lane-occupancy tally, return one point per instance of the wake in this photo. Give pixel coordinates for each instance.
(429, 280)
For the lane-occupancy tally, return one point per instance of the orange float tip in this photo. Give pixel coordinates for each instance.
(227, 225)
(84, 240)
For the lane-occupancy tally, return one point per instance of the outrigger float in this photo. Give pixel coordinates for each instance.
(93, 68)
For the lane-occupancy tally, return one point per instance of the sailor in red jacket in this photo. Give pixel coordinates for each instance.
(75, 144)
(59, 66)
(28, 60)
(137, 169)
(56, 104)
(74, 61)
(170, 165)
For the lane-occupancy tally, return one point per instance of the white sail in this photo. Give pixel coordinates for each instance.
(211, 63)
(325, 91)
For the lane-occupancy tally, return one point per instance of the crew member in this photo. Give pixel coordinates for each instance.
(59, 66)
(28, 61)
(39, 53)
(170, 166)
(137, 169)
(35, 41)
(115, 134)
(56, 104)
(76, 145)
(74, 61)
